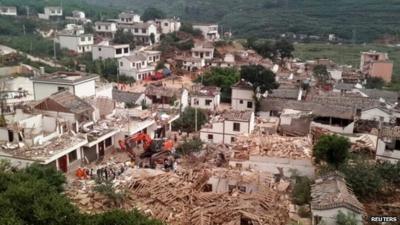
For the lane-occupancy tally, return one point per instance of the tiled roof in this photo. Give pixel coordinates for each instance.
(68, 101)
(237, 115)
(124, 96)
(242, 84)
(331, 192)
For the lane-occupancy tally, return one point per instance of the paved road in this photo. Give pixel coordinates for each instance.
(6, 50)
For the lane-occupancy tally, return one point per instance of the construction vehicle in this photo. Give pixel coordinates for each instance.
(156, 151)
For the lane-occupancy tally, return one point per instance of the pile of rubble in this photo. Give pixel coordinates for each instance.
(273, 146)
(181, 199)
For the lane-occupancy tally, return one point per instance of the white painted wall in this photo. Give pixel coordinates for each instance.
(375, 114)
(349, 129)
(106, 27)
(79, 44)
(304, 167)
(109, 52)
(85, 89)
(215, 101)
(383, 154)
(240, 99)
(329, 215)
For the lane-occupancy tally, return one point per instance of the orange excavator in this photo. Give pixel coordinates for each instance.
(157, 150)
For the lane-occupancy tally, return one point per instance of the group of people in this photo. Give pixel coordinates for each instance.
(102, 173)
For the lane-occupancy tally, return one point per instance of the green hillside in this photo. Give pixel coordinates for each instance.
(366, 20)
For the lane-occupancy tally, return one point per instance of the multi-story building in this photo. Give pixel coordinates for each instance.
(167, 26)
(376, 64)
(107, 28)
(243, 96)
(8, 10)
(129, 17)
(108, 50)
(136, 66)
(223, 129)
(143, 32)
(78, 83)
(75, 41)
(201, 51)
(51, 11)
(209, 31)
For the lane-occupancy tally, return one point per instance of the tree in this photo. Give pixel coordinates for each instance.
(320, 72)
(122, 37)
(119, 217)
(186, 121)
(152, 38)
(188, 28)
(301, 193)
(283, 49)
(152, 13)
(189, 146)
(261, 78)
(221, 77)
(375, 83)
(332, 149)
(343, 219)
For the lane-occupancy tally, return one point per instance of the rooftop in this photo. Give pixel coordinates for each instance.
(64, 77)
(242, 84)
(125, 96)
(237, 115)
(205, 91)
(164, 91)
(137, 57)
(331, 191)
(64, 102)
(285, 93)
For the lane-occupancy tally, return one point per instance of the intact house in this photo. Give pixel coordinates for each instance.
(209, 31)
(51, 11)
(129, 17)
(8, 10)
(78, 83)
(17, 91)
(146, 33)
(205, 97)
(243, 96)
(191, 64)
(79, 17)
(224, 128)
(331, 195)
(168, 97)
(376, 64)
(125, 99)
(167, 26)
(227, 61)
(203, 52)
(140, 65)
(37, 138)
(108, 50)
(106, 28)
(77, 42)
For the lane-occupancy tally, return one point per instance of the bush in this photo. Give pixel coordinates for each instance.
(186, 121)
(189, 146)
(301, 193)
(304, 211)
(332, 149)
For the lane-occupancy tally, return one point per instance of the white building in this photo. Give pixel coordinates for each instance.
(227, 61)
(78, 16)
(202, 52)
(168, 97)
(41, 139)
(223, 129)
(206, 97)
(105, 27)
(331, 195)
(388, 148)
(77, 42)
(135, 66)
(243, 96)
(107, 50)
(79, 84)
(167, 26)
(129, 17)
(192, 64)
(143, 32)
(209, 31)
(51, 11)
(8, 10)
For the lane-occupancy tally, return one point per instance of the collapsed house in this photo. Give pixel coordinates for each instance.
(275, 154)
(330, 195)
(186, 198)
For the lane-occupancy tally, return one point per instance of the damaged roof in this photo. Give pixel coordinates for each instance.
(64, 102)
(237, 115)
(331, 191)
(242, 84)
(125, 96)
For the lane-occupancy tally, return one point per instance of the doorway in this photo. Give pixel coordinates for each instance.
(63, 164)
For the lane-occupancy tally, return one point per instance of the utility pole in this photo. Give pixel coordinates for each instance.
(195, 119)
(54, 49)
